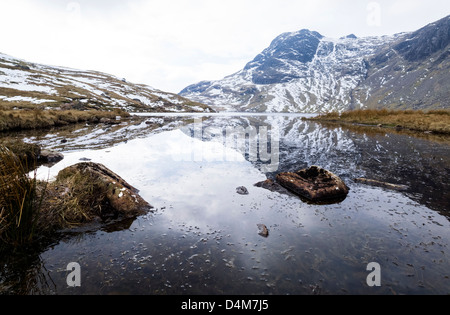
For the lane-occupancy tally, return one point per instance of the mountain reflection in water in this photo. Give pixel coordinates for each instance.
(203, 237)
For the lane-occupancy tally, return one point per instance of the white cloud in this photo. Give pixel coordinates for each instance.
(171, 44)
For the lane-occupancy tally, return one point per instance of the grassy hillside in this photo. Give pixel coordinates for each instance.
(34, 95)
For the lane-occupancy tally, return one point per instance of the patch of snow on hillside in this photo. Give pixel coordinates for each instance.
(32, 100)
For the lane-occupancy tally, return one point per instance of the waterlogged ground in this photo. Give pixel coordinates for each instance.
(203, 236)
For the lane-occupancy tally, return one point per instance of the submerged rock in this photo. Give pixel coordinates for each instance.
(263, 230)
(242, 190)
(314, 184)
(373, 182)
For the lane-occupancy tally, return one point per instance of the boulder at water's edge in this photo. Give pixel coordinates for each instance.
(314, 184)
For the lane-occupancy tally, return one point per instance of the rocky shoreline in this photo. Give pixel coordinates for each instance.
(81, 194)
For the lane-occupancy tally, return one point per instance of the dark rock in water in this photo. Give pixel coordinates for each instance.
(50, 157)
(263, 230)
(118, 197)
(242, 190)
(314, 184)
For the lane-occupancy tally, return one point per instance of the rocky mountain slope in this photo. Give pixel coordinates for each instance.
(29, 85)
(306, 72)
(413, 72)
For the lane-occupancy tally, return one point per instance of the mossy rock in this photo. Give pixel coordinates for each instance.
(86, 192)
(314, 184)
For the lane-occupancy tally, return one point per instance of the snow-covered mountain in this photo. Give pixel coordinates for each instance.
(29, 85)
(412, 72)
(306, 72)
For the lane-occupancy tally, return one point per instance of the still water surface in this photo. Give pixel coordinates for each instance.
(203, 237)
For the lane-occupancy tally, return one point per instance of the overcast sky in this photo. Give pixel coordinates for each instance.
(169, 44)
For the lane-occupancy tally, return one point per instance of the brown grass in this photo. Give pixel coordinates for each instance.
(437, 121)
(72, 200)
(31, 209)
(20, 201)
(38, 118)
(27, 153)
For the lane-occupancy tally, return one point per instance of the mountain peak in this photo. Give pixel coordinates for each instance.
(300, 46)
(350, 36)
(303, 33)
(304, 71)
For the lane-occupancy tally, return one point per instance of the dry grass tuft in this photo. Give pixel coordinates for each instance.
(73, 200)
(19, 200)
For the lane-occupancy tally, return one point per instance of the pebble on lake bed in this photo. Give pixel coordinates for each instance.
(263, 230)
(242, 190)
